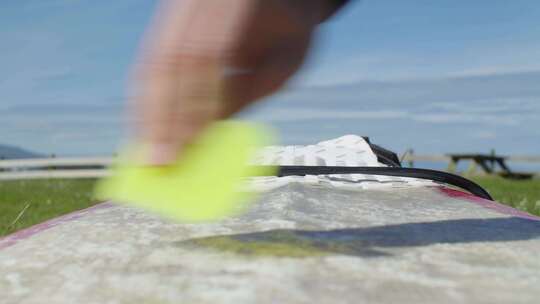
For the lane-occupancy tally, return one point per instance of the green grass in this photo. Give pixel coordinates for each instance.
(523, 195)
(25, 203)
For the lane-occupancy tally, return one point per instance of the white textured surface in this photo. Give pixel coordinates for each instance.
(362, 239)
(415, 246)
(347, 151)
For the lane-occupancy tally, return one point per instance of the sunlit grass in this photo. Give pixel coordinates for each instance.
(25, 203)
(520, 194)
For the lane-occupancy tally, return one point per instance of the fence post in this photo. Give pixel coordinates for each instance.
(411, 158)
(493, 160)
(452, 165)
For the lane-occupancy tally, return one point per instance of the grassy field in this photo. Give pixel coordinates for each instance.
(25, 203)
(523, 195)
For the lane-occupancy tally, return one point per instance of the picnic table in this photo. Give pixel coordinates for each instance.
(488, 163)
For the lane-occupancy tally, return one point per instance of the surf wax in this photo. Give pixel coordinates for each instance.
(204, 184)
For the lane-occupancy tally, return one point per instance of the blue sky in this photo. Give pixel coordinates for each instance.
(438, 76)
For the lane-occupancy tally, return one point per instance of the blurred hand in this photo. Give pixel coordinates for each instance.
(206, 60)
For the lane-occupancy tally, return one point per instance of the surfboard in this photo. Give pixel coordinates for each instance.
(308, 239)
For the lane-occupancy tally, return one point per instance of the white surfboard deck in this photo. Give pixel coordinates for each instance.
(346, 239)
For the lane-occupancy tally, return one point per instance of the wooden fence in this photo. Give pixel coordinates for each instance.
(96, 167)
(44, 168)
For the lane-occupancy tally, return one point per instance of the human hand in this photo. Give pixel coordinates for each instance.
(206, 60)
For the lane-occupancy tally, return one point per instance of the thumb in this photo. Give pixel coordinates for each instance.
(179, 101)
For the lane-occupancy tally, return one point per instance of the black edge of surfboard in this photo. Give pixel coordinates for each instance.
(427, 174)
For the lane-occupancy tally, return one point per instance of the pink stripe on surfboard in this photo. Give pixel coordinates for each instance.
(488, 204)
(13, 238)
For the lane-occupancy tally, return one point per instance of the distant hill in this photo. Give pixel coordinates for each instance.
(11, 152)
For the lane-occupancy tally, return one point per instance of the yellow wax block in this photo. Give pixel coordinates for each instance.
(204, 184)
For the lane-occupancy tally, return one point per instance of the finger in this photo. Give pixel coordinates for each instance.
(278, 68)
(179, 103)
(199, 96)
(271, 73)
(155, 109)
(182, 75)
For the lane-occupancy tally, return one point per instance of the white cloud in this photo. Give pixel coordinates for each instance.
(391, 65)
(41, 4)
(296, 114)
(438, 118)
(484, 135)
(292, 114)
(486, 106)
(495, 69)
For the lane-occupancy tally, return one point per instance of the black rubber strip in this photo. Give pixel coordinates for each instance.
(443, 177)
